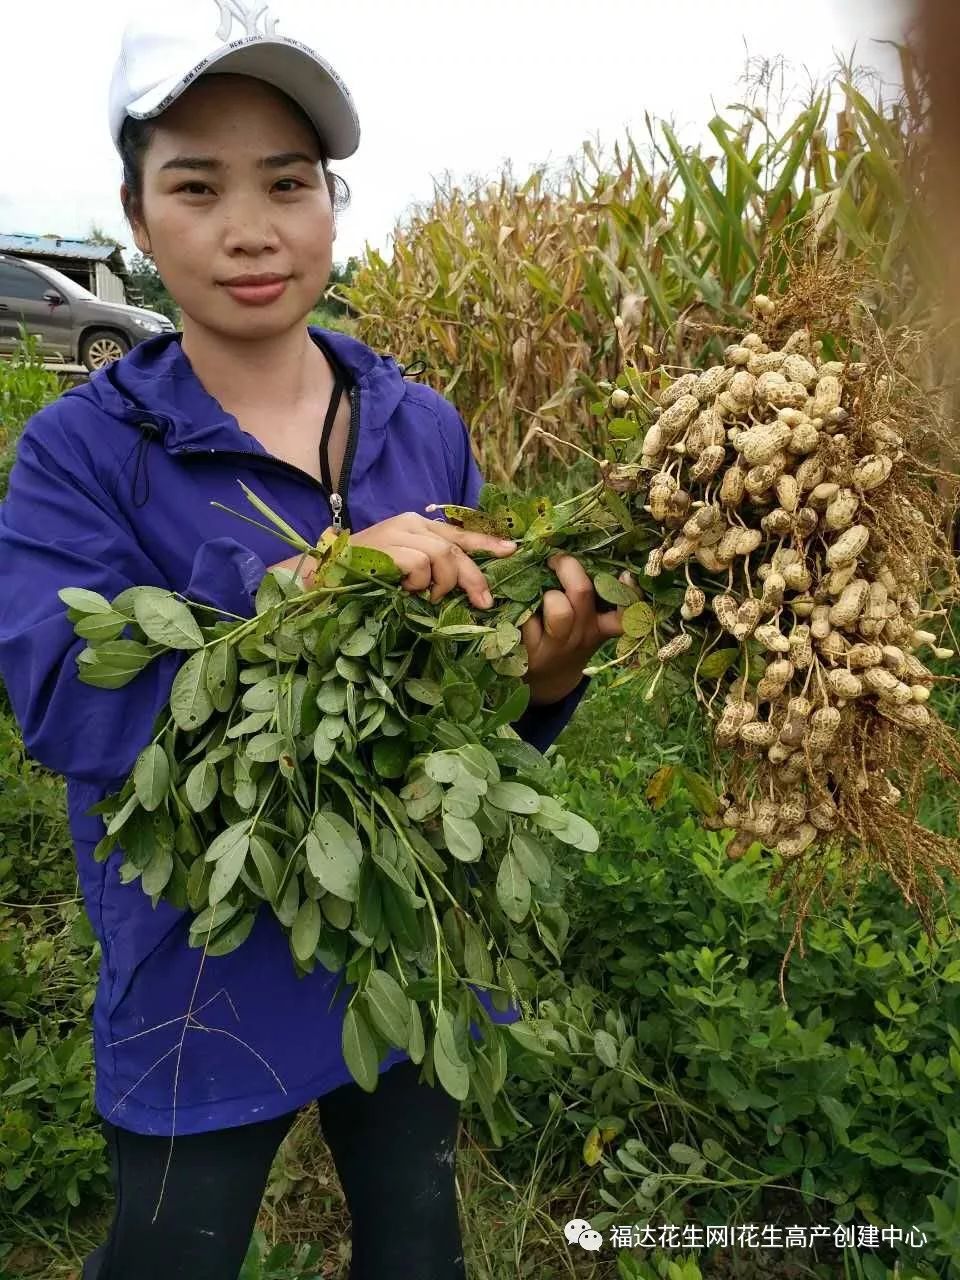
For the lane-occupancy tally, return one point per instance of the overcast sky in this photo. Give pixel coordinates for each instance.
(458, 85)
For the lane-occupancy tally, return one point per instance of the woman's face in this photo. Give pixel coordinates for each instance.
(208, 225)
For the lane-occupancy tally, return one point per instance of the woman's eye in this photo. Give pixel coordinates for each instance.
(190, 187)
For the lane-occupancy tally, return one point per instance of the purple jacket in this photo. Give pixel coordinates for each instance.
(112, 488)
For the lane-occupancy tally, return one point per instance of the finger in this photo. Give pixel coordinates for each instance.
(471, 541)
(610, 624)
(444, 565)
(415, 565)
(559, 616)
(570, 573)
(531, 634)
(577, 586)
(444, 571)
(450, 566)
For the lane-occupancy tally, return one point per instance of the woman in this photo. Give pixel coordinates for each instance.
(225, 152)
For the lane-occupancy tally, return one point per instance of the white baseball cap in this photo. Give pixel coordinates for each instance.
(171, 42)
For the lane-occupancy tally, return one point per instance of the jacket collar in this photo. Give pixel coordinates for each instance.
(156, 383)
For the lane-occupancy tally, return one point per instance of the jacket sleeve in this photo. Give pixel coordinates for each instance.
(58, 528)
(226, 575)
(541, 725)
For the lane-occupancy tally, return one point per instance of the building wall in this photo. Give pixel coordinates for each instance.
(109, 287)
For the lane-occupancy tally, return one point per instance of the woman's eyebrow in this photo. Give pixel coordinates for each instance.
(208, 163)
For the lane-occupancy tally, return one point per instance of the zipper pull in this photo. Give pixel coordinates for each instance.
(336, 505)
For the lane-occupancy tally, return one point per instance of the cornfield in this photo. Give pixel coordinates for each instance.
(508, 292)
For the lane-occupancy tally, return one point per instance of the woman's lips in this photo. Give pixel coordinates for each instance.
(257, 295)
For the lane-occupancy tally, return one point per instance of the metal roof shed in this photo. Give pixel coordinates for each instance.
(98, 267)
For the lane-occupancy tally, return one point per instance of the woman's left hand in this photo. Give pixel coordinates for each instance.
(567, 632)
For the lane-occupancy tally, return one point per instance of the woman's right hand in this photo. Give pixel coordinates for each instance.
(434, 553)
(429, 552)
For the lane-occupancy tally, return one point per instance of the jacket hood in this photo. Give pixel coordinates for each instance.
(156, 383)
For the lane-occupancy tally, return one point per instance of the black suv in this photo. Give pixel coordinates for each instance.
(69, 321)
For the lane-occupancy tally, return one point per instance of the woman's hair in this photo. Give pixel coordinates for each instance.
(136, 136)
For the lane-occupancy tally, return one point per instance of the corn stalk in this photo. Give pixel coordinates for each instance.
(507, 291)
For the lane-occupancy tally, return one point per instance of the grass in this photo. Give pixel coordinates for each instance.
(514, 1199)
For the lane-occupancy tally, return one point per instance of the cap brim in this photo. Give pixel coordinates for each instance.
(304, 76)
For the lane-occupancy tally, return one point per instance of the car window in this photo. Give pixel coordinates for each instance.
(67, 286)
(17, 282)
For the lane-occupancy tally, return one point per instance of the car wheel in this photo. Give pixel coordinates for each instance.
(101, 348)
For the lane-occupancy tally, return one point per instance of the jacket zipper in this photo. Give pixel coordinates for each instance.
(336, 501)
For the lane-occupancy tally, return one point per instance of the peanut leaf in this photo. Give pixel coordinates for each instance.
(168, 621)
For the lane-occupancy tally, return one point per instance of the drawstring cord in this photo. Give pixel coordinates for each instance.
(411, 370)
(148, 431)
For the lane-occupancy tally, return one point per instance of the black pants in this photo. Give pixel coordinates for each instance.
(395, 1153)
